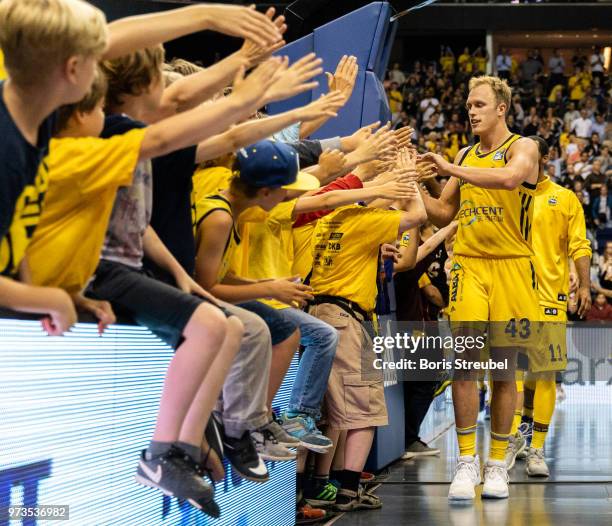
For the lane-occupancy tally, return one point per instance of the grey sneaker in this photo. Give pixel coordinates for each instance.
(176, 475)
(516, 445)
(526, 431)
(281, 436)
(304, 429)
(419, 449)
(536, 465)
(268, 447)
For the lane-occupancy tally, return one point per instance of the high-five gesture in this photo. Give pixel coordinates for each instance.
(253, 89)
(243, 22)
(377, 146)
(253, 53)
(325, 106)
(295, 79)
(344, 77)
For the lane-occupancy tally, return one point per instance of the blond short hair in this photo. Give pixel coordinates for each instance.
(132, 74)
(501, 90)
(37, 36)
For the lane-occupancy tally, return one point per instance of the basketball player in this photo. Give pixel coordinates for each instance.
(561, 234)
(491, 192)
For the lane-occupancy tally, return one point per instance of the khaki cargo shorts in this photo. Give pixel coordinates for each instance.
(355, 396)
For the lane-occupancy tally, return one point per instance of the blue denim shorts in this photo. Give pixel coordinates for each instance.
(280, 328)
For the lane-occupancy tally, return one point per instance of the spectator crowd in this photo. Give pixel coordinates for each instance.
(566, 102)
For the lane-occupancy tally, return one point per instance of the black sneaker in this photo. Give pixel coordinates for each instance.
(214, 435)
(244, 459)
(175, 474)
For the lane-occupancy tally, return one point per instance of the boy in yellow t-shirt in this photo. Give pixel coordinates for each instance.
(41, 41)
(84, 175)
(346, 254)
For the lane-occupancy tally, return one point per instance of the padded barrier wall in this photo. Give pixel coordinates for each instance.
(76, 411)
(365, 33)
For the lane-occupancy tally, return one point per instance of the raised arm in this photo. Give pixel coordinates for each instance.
(407, 250)
(136, 32)
(430, 244)
(258, 129)
(191, 90)
(522, 167)
(194, 126)
(342, 80)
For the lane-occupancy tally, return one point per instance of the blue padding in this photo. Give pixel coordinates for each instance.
(353, 34)
(365, 33)
(375, 105)
(381, 68)
(379, 40)
(389, 440)
(295, 51)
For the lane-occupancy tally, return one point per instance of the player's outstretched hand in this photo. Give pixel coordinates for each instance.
(332, 162)
(442, 165)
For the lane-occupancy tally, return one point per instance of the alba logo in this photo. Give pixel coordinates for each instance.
(499, 155)
(552, 200)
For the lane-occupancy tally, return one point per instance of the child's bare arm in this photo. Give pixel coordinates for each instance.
(136, 32)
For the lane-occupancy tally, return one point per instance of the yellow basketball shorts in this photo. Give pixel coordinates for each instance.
(501, 291)
(552, 342)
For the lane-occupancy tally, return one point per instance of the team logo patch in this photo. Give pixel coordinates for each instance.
(406, 237)
(561, 297)
(550, 311)
(499, 155)
(552, 201)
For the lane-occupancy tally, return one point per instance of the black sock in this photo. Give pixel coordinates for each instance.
(195, 452)
(299, 481)
(334, 474)
(349, 479)
(157, 449)
(318, 481)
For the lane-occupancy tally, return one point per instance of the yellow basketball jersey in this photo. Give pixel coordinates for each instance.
(494, 223)
(203, 208)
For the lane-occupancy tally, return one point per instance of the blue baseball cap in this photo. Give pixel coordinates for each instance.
(273, 164)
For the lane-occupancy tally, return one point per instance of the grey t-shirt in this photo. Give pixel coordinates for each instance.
(130, 218)
(131, 215)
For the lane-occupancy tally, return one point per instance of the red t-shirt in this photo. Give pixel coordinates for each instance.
(348, 182)
(604, 314)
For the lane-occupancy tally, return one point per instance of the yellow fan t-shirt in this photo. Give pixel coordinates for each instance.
(345, 252)
(84, 175)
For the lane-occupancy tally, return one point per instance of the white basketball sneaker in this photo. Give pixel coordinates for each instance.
(466, 478)
(495, 480)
